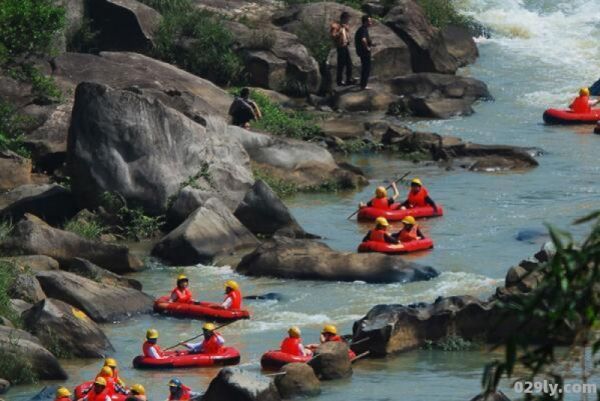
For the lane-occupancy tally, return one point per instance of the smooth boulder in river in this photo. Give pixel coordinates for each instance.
(299, 380)
(332, 361)
(235, 384)
(312, 260)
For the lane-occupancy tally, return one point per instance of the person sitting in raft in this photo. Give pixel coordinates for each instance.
(293, 343)
(181, 293)
(150, 348)
(329, 334)
(381, 201)
(112, 363)
(233, 296)
(178, 391)
(212, 344)
(418, 196)
(62, 394)
(137, 393)
(410, 231)
(98, 391)
(112, 386)
(380, 234)
(243, 110)
(582, 103)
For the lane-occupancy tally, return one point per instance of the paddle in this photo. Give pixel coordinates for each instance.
(388, 187)
(198, 336)
(360, 356)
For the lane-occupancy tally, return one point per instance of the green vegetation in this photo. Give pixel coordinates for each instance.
(6, 227)
(8, 274)
(53, 344)
(12, 128)
(450, 343)
(442, 13)
(132, 223)
(85, 40)
(566, 307)
(169, 6)
(204, 173)
(282, 187)
(89, 227)
(14, 366)
(358, 146)
(315, 37)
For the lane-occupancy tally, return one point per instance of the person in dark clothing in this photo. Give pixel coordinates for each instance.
(243, 110)
(363, 44)
(340, 33)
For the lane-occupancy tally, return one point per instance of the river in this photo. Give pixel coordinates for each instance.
(541, 52)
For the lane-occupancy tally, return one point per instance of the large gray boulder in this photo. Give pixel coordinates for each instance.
(15, 170)
(52, 203)
(495, 396)
(210, 231)
(32, 236)
(101, 302)
(297, 380)
(122, 141)
(66, 329)
(263, 213)
(19, 347)
(85, 268)
(311, 260)
(235, 384)
(460, 44)
(332, 361)
(26, 288)
(35, 263)
(187, 201)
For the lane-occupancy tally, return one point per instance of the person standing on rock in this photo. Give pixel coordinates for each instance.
(181, 293)
(243, 110)
(363, 44)
(340, 34)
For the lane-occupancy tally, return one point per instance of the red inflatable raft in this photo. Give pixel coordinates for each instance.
(405, 247)
(83, 388)
(556, 116)
(200, 310)
(275, 359)
(395, 214)
(183, 359)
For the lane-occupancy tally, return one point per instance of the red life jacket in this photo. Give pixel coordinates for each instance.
(211, 345)
(146, 348)
(93, 396)
(409, 235)
(336, 339)
(110, 385)
(291, 345)
(182, 296)
(185, 394)
(236, 299)
(380, 203)
(418, 199)
(377, 235)
(581, 104)
(62, 399)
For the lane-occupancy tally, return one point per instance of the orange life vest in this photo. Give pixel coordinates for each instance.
(336, 339)
(236, 299)
(211, 345)
(380, 203)
(409, 235)
(62, 399)
(418, 199)
(581, 104)
(146, 349)
(93, 396)
(291, 346)
(377, 235)
(184, 396)
(183, 296)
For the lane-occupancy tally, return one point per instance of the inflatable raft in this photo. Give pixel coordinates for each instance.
(184, 359)
(83, 388)
(396, 214)
(200, 310)
(275, 359)
(557, 116)
(405, 247)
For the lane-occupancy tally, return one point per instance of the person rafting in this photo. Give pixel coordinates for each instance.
(112, 363)
(410, 230)
(112, 386)
(178, 391)
(98, 392)
(62, 394)
(212, 344)
(181, 293)
(418, 196)
(233, 296)
(582, 103)
(330, 334)
(381, 200)
(137, 393)
(379, 233)
(150, 348)
(293, 343)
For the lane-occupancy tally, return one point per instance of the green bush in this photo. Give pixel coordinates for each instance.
(90, 227)
(12, 126)
(8, 273)
(450, 343)
(138, 225)
(42, 87)
(442, 13)
(169, 6)
(15, 367)
(283, 188)
(315, 37)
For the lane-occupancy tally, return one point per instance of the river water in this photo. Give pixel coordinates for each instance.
(541, 52)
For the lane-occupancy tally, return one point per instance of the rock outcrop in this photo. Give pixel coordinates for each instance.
(332, 361)
(63, 327)
(52, 203)
(14, 170)
(103, 303)
(85, 268)
(297, 380)
(234, 384)
(311, 260)
(26, 288)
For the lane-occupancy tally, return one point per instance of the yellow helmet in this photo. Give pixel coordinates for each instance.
(294, 332)
(112, 362)
(208, 326)
(232, 284)
(416, 181)
(106, 371)
(409, 220)
(381, 221)
(330, 328)
(584, 92)
(100, 381)
(380, 192)
(138, 388)
(182, 277)
(62, 392)
(152, 334)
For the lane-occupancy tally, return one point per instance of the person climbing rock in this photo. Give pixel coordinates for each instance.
(243, 110)
(212, 344)
(582, 103)
(363, 44)
(410, 230)
(150, 348)
(381, 200)
(380, 234)
(112, 363)
(340, 34)
(233, 296)
(181, 293)
(178, 391)
(98, 392)
(330, 334)
(137, 393)
(62, 394)
(418, 196)
(292, 344)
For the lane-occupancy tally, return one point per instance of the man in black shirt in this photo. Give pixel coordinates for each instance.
(363, 45)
